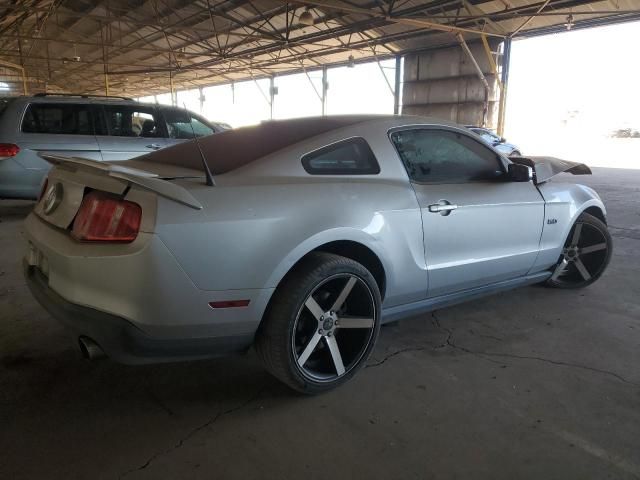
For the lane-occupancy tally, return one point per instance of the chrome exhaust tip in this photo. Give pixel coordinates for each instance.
(90, 349)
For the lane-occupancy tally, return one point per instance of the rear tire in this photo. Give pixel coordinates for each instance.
(585, 256)
(321, 324)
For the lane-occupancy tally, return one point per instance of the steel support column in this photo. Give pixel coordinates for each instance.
(272, 94)
(396, 90)
(174, 96)
(480, 73)
(325, 87)
(504, 80)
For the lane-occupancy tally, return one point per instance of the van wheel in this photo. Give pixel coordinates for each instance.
(322, 323)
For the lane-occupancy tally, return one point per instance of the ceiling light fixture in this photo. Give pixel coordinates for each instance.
(306, 18)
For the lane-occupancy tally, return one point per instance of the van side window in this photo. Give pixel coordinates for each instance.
(348, 157)
(61, 119)
(132, 121)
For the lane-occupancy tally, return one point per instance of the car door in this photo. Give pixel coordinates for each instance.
(183, 125)
(129, 131)
(479, 227)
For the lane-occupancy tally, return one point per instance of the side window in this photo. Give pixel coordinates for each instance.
(443, 156)
(181, 124)
(349, 157)
(61, 119)
(132, 121)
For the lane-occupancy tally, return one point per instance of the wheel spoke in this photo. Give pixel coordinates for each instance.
(559, 269)
(576, 234)
(335, 354)
(311, 346)
(582, 269)
(355, 322)
(314, 308)
(344, 294)
(593, 248)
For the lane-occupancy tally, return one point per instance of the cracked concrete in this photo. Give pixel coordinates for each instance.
(534, 383)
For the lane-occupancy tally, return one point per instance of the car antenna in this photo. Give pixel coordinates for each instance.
(207, 172)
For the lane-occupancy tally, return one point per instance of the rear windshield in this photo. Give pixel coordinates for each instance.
(233, 149)
(61, 119)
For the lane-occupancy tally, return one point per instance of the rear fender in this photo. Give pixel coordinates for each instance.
(322, 238)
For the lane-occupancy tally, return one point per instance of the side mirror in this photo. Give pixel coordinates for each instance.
(520, 173)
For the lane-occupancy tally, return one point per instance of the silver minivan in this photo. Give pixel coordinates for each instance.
(98, 128)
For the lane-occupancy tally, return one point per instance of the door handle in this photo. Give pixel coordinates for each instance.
(155, 146)
(443, 207)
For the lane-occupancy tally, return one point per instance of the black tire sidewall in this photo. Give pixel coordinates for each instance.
(602, 227)
(282, 312)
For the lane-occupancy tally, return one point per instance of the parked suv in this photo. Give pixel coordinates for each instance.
(98, 128)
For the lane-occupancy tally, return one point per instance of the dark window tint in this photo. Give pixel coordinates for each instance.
(441, 156)
(132, 121)
(182, 124)
(64, 119)
(349, 157)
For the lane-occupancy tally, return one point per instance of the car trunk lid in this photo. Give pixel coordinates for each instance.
(118, 177)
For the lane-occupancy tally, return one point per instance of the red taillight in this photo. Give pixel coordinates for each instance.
(105, 218)
(9, 150)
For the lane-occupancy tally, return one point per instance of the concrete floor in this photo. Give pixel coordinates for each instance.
(535, 383)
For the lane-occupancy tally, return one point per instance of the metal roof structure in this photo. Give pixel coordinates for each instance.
(140, 47)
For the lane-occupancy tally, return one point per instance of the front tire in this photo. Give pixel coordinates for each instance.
(321, 324)
(585, 256)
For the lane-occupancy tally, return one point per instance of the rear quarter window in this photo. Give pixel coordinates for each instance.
(61, 119)
(348, 157)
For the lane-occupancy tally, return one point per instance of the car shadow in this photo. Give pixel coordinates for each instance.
(15, 208)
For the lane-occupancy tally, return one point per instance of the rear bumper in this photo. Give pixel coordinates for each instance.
(141, 283)
(122, 340)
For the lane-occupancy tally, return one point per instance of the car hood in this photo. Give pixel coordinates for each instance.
(546, 167)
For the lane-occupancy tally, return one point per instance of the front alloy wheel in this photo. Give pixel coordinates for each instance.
(585, 255)
(321, 324)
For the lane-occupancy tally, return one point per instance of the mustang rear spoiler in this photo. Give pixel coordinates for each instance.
(147, 180)
(546, 167)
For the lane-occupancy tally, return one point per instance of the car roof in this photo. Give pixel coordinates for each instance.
(74, 99)
(232, 149)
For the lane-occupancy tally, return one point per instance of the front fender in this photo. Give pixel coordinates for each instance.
(564, 203)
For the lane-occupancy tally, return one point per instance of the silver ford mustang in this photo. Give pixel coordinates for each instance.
(300, 237)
